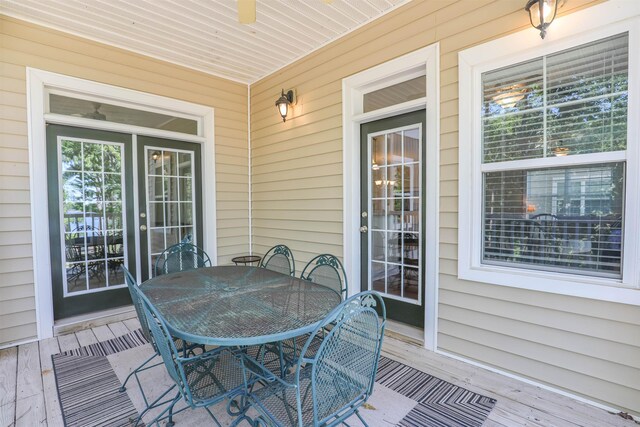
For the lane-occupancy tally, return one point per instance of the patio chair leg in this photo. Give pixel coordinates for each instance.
(161, 415)
(123, 387)
(361, 419)
(170, 422)
(156, 403)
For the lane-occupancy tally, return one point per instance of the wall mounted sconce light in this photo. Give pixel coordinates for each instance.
(155, 156)
(282, 104)
(541, 14)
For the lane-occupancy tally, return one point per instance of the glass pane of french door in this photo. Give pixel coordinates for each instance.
(395, 237)
(392, 178)
(91, 212)
(170, 202)
(170, 198)
(90, 201)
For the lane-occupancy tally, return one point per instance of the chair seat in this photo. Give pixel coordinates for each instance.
(277, 401)
(213, 374)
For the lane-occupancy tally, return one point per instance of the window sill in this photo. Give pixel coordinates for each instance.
(611, 290)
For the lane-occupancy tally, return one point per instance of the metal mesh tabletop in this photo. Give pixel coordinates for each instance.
(238, 305)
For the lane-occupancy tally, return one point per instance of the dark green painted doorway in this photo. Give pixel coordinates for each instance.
(393, 186)
(89, 174)
(169, 197)
(93, 204)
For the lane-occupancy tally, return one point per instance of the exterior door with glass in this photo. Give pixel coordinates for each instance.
(92, 211)
(393, 213)
(169, 202)
(89, 174)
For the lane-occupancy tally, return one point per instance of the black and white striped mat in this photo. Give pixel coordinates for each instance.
(88, 386)
(440, 404)
(89, 396)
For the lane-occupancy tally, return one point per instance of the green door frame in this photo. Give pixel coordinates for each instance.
(404, 312)
(147, 141)
(84, 303)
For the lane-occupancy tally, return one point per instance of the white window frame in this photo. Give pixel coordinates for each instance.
(595, 23)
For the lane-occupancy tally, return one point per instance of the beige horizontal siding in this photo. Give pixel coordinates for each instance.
(23, 45)
(583, 346)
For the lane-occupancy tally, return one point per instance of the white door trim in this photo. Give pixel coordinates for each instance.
(38, 82)
(353, 90)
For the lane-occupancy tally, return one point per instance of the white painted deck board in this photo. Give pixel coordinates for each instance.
(518, 404)
(8, 378)
(103, 333)
(118, 329)
(132, 324)
(68, 342)
(86, 337)
(523, 401)
(30, 409)
(48, 348)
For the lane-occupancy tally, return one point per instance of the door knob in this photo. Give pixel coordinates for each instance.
(364, 229)
(143, 228)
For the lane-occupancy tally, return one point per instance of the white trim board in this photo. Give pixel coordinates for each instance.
(38, 82)
(597, 22)
(353, 90)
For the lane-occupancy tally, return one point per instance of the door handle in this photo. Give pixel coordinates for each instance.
(143, 227)
(364, 229)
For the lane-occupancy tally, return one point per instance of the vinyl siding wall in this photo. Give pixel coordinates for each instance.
(586, 347)
(22, 45)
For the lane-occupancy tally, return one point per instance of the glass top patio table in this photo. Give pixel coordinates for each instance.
(238, 305)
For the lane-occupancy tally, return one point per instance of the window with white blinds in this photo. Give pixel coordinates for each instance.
(551, 199)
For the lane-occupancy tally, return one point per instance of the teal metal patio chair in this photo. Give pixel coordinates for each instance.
(202, 380)
(279, 258)
(181, 257)
(330, 385)
(137, 303)
(326, 270)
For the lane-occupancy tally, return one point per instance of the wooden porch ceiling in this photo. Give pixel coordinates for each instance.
(206, 35)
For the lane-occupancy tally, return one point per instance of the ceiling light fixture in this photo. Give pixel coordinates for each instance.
(560, 151)
(541, 14)
(509, 96)
(246, 11)
(282, 104)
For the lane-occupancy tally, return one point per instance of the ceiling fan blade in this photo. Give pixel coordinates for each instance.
(247, 11)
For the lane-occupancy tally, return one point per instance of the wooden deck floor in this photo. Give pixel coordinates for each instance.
(28, 394)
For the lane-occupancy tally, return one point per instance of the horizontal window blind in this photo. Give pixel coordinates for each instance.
(567, 218)
(556, 218)
(571, 102)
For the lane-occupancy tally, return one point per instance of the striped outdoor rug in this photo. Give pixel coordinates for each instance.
(88, 386)
(439, 403)
(89, 396)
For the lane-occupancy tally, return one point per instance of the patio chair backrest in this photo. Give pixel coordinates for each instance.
(164, 343)
(181, 257)
(279, 258)
(133, 286)
(326, 270)
(344, 367)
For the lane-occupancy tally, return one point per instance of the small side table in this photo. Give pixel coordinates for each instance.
(246, 259)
